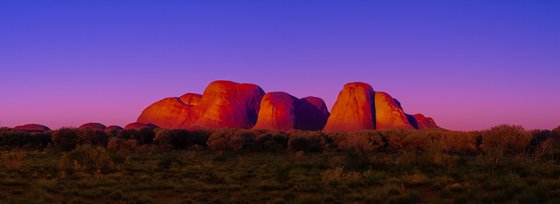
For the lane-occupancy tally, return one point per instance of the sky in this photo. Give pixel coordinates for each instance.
(469, 64)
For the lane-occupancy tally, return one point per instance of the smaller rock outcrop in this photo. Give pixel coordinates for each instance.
(32, 128)
(139, 126)
(388, 113)
(93, 126)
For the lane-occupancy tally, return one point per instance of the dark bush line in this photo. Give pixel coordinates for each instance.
(506, 138)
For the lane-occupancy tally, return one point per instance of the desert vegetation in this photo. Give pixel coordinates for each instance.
(505, 164)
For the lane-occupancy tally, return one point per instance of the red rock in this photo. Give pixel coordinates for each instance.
(282, 111)
(412, 121)
(113, 128)
(389, 113)
(421, 121)
(191, 99)
(277, 112)
(312, 114)
(354, 109)
(227, 104)
(431, 122)
(139, 126)
(32, 128)
(166, 113)
(93, 126)
(424, 122)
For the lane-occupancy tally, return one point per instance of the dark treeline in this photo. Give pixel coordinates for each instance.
(503, 139)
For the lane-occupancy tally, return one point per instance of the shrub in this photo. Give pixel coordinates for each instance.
(364, 142)
(437, 155)
(459, 142)
(122, 145)
(177, 139)
(512, 138)
(333, 176)
(299, 144)
(87, 159)
(230, 139)
(65, 139)
(168, 160)
(393, 138)
(317, 141)
(12, 160)
(338, 176)
(420, 141)
(20, 139)
(273, 141)
(143, 136)
(92, 136)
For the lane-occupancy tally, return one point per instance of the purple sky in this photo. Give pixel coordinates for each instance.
(469, 64)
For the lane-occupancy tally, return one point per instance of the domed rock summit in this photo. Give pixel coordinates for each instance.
(227, 104)
(282, 111)
(354, 109)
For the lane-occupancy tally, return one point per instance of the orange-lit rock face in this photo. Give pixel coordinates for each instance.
(282, 111)
(277, 112)
(166, 113)
(32, 128)
(421, 121)
(312, 114)
(226, 104)
(191, 99)
(93, 126)
(353, 110)
(424, 122)
(388, 113)
(139, 126)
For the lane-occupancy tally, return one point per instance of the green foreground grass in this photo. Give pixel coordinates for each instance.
(181, 176)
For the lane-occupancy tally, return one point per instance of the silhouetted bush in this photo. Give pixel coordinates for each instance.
(65, 139)
(92, 136)
(116, 144)
(299, 144)
(113, 131)
(230, 139)
(10, 138)
(317, 140)
(511, 138)
(272, 141)
(179, 139)
(143, 136)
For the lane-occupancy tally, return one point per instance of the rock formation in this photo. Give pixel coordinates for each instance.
(93, 126)
(431, 122)
(388, 113)
(191, 99)
(412, 121)
(227, 104)
(277, 112)
(312, 114)
(424, 122)
(32, 128)
(166, 113)
(139, 126)
(282, 111)
(354, 109)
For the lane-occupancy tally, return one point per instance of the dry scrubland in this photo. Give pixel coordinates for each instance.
(505, 164)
